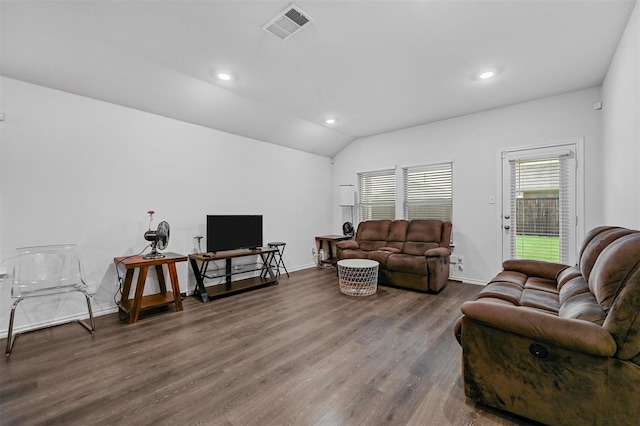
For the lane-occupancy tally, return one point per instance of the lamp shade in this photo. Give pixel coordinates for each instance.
(346, 195)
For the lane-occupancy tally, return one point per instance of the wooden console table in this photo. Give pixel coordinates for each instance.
(331, 241)
(200, 264)
(164, 297)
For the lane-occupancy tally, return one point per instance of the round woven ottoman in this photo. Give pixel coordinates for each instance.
(358, 277)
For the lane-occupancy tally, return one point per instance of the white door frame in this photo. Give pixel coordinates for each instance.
(578, 145)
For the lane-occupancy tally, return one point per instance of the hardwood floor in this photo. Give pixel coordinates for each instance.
(299, 353)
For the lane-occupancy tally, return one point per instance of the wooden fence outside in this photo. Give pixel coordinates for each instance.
(538, 216)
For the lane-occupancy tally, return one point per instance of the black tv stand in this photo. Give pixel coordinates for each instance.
(200, 264)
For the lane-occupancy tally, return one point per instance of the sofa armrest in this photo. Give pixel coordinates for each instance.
(573, 334)
(347, 244)
(390, 249)
(438, 252)
(534, 268)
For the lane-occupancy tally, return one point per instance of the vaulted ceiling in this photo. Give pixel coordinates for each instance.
(373, 66)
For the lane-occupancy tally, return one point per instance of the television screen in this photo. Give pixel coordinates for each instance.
(232, 232)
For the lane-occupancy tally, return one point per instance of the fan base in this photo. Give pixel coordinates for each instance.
(153, 256)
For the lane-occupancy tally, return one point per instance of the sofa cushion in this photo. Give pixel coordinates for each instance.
(615, 283)
(537, 268)
(601, 241)
(423, 235)
(572, 288)
(567, 275)
(354, 254)
(540, 300)
(424, 230)
(414, 248)
(541, 284)
(612, 268)
(520, 290)
(381, 256)
(347, 244)
(373, 230)
(371, 245)
(509, 291)
(583, 307)
(407, 263)
(397, 234)
(512, 277)
(390, 250)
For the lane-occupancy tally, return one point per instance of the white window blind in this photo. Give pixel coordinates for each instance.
(541, 204)
(377, 195)
(428, 192)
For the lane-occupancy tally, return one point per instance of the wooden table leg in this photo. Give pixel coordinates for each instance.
(137, 300)
(175, 286)
(161, 282)
(126, 289)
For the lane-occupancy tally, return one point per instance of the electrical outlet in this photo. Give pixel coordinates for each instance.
(460, 259)
(453, 259)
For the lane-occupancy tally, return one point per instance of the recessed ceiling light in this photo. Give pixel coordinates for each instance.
(224, 76)
(487, 74)
(330, 120)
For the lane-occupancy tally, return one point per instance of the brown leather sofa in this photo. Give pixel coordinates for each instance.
(412, 254)
(559, 344)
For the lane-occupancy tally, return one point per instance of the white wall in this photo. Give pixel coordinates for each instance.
(73, 169)
(621, 127)
(472, 142)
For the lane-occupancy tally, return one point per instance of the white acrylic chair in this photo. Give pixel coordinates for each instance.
(46, 271)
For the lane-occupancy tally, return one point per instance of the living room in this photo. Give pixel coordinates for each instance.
(84, 170)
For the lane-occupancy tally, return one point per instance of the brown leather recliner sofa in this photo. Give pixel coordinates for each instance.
(559, 344)
(412, 254)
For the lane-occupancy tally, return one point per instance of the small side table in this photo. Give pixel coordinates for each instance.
(164, 297)
(358, 277)
(331, 240)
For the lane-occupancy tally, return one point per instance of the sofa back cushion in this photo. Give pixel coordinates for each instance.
(426, 234)
(372, 234)
(595, 242)
(397, 233)
(615, 284)
(577, 302)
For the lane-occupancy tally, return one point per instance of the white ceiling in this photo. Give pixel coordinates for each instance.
(375, 66)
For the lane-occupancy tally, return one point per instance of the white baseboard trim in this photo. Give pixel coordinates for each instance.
(468, 280)
(307, 266)
(57, 321)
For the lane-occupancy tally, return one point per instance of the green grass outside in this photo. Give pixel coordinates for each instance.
(538, 248)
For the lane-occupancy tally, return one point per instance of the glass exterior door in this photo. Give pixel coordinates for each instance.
(538, 209)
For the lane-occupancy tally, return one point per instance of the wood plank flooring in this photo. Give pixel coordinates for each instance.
(299, 353)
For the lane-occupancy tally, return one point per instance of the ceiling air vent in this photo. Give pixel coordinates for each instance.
(288, 22)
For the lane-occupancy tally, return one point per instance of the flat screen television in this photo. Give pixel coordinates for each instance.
(232, 232)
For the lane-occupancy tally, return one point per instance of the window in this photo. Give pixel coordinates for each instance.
(428, 192)
(377, 195)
